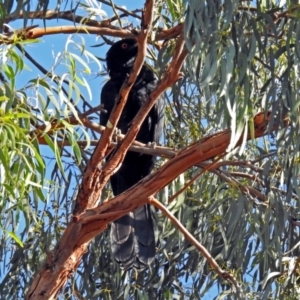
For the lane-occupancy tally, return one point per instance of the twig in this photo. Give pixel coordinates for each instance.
(130, 13)
(115, 12)
(222, 273)
(206, 168)
(170, 33)
(68, 15)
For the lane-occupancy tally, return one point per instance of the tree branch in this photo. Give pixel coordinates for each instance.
(98, 179)
(64, 259)
(68, 15)
(222, 273)
(99, 28)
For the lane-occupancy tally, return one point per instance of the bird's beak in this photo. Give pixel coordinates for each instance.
(134, 46)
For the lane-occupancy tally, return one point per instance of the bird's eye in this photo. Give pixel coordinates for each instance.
(124, 46)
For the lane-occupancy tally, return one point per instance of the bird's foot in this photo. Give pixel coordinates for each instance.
(152, 145)
(116, 135)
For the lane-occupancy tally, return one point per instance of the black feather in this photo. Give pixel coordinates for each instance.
(133, 237)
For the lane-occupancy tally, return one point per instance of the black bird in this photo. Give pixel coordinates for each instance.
(133, 237)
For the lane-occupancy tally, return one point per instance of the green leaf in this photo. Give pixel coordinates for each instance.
(15, 238)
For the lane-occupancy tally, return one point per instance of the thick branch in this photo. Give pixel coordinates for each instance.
(94, 180)
(66, 256)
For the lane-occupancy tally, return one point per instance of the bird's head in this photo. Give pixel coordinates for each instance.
(121, 55)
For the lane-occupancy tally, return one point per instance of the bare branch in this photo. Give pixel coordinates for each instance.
(215, 266)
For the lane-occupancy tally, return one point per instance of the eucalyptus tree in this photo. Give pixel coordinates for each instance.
(226, 183)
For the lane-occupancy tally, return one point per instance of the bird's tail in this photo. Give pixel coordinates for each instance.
(133, 238)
